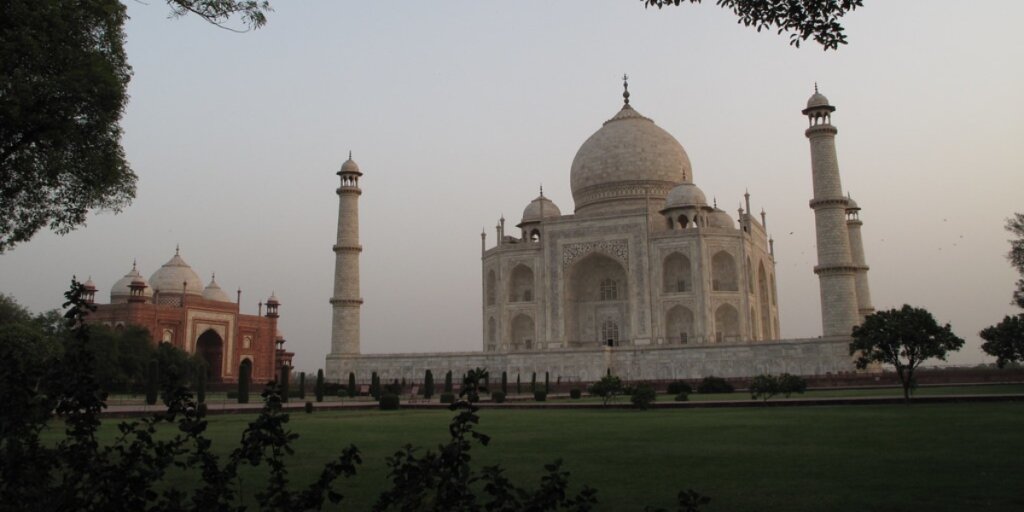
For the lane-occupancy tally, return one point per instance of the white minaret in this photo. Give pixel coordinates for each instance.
(836, 269)
(853, 224)
(346, 300)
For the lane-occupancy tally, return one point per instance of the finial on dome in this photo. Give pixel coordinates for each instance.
(350, 151)
(542, 190)
(714, 200)
(177, 249)
(133, 264)
(625, 89)
(815, 87)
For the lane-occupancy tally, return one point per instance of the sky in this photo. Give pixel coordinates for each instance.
(457, 111)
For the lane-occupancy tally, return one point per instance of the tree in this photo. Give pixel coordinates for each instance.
(1015, 225)
(504, 382)
(904, 338)
(244, 379)
(643, 396)
(607, 388)
(153, 382)
(803, 19)
(319, 389)
(763, 387)
(201, 386)
(428, 384)
(1005, 340)
(351, 385)
(448, 382)
(302, 385)
(375, 385)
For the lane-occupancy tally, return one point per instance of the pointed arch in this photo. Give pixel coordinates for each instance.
(520, 288)
(679, 325)
(596, 289)
(523, 332)
(727, 323)
(723, 272)
(677, 274)
(210, 347)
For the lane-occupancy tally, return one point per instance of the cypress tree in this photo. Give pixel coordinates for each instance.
(547, 382)
(375, 385)
(351, 384)
(152, 382)
(519, 384)
(448, 382)
(285, 372)
(302, 385)
(244, 374)
(319, 390)
(201, 385)
(428, 384)
(533, 382)
(504, 383)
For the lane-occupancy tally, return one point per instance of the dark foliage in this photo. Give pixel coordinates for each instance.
(678, 386)
(309, 407)
(1005, 340)
(803, 19)
(764, 387)
(712, 384)
(428, 385)
(547, 382)
(201, 385)
(682, 397)
(302, 385)
(504, 382)
(318, 389)
(282, 381)
(789, 384)
(448, 382)
(244, 380)
(607, 388)
(153, 382)
(519, 385)
(1015, 225)
(375, 390)
(533, 382)
(447, 398)
(351, 385)
(540, 395)
(643, 396)
(389, 402)
(498, 397)
(575, 393)
(904, 338)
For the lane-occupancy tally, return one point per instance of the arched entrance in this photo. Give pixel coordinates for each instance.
(210, 347)
(597, 299)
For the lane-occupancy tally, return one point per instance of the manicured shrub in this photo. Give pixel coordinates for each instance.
(319, 389)
(448, 382)
(201, 410)
(547, 382)
(244, 376)
(712, 384)
(428, 384)
(607, 388)
(344, 391)
(789, 384)
(643, 395)
(309, 407)
(498, 397)
(388, 402)
(519, 385)
(232, 395)
(533, 382)
(351, 385)
(447, 398)
(201, 385)
(283, 382)
(683, 397)
(677, 386)
(394, 388)
(504, 383)
(763, 387)
(540, 395)
(375, 385)
(575, 393)
(302, 385)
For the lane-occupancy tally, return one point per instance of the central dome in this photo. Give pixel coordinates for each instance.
(629, 159)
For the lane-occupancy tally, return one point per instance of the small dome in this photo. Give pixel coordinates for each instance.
(685, 194)
(272, 299)
(169, 278)
(817, 100)
(350, 166)
(214, 292)
(626, 161)
(720, 219)
(89, 285)
(121, 290)
(540, 209)
(851, 205)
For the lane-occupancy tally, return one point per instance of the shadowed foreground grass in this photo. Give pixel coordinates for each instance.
(923, 457)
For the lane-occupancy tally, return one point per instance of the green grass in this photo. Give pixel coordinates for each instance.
(880, 458)
(983, 389)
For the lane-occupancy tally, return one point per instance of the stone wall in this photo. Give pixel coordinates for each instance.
(807, 357)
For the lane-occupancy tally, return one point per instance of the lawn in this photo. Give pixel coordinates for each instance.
(887, 457)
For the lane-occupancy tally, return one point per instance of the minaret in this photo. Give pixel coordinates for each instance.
(853, 224)
(836, 269)
(346, 300)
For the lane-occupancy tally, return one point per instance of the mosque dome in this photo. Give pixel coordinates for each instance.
(720, 219)
(540, 209)
(685, 194)
(628, 159)
(169, 278)
(121, 290)
(817, 100)
(350, 166)
(213, 291)
(851, 205)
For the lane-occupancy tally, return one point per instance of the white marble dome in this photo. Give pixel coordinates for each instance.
(121, 290)
(720, 219)
(539, 209)
(685, 194)
(170, 277)
(628, 158)
(213, 291)
(817, 100)
(350, 166)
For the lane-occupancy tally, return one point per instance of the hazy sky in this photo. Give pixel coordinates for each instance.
(457, 110)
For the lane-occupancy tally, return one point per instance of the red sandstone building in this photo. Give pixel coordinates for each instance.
(176, 308)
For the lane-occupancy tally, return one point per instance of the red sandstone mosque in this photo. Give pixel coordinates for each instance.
(176, 308)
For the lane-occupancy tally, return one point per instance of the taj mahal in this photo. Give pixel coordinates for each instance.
(645, 278)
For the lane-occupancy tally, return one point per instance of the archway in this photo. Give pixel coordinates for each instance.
(596, 292)
(520, 288)
(676, 274)
(210, 347)
(679, 325)
(727, 323)
(523, 332)
(723, 273)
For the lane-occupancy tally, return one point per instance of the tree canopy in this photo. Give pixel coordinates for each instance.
(904, 338)
(1015, 225)
(1005, 340)
(803, 19)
